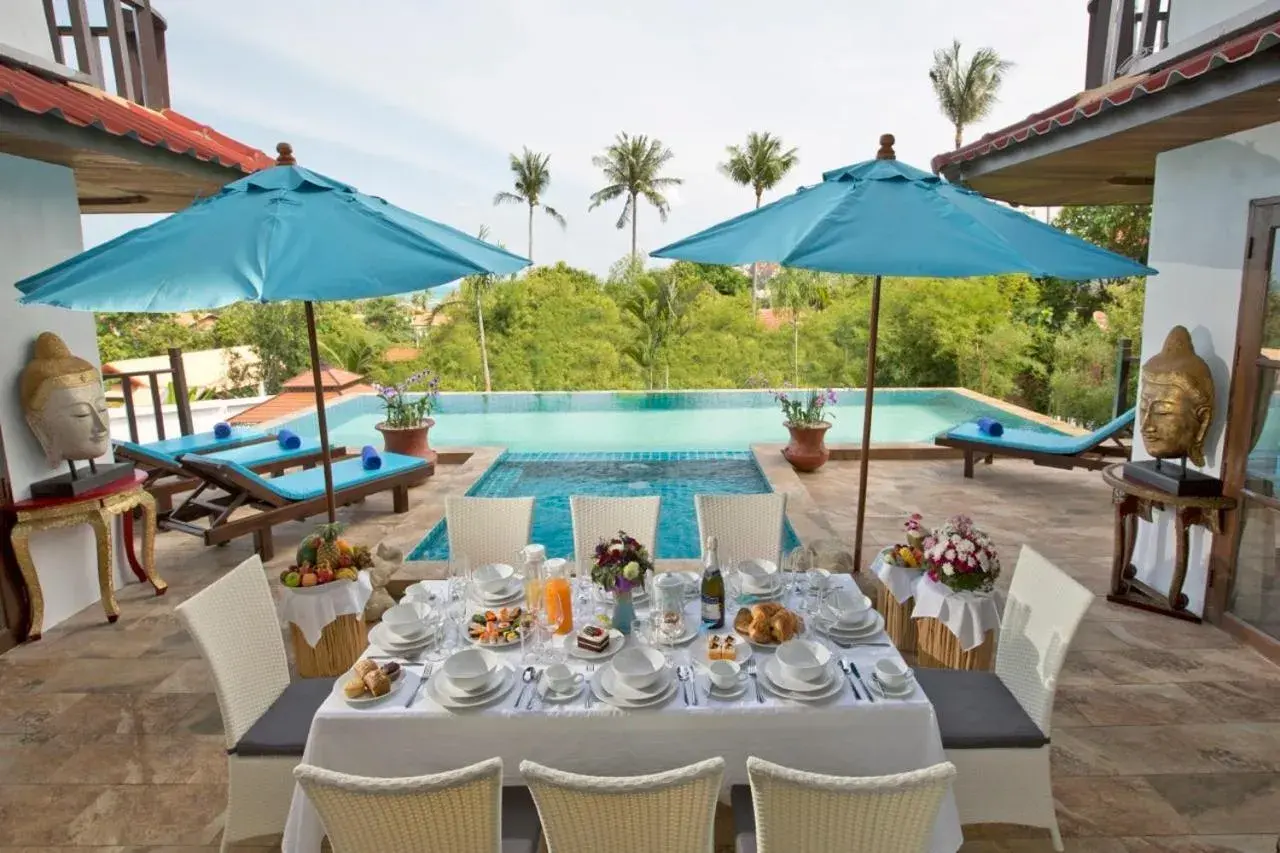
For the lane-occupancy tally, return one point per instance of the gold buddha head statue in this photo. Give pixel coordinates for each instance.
(1177, 400)
(64, 403)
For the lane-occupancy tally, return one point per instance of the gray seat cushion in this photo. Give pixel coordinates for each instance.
(521, 829)
(976, 711)
(283, 729)
(744, 819)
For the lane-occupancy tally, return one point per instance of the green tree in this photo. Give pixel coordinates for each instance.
(1123, 228)
(967, 90)
(532, 177)
(797, 290)
(760, 164)
(357, 354)
(657, 304)
(633, 166)
(277, 331)
(727, 281)
(387, 316)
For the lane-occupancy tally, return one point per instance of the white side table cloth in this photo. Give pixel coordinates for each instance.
(312, 608)
(843, 735)
(968, 615)
(899, 580)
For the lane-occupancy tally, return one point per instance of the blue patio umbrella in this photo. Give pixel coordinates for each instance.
(885, 218)
(282, 234)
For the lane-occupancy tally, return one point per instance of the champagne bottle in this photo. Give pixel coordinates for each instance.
(712, 588)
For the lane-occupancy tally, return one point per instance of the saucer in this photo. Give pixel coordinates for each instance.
(907, 690)
(732, 693)
(546, 694)
(778, 674)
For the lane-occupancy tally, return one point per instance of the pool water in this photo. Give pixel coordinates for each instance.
(670, 421)
(551, 478)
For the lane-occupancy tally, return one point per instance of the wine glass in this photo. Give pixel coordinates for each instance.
(459, 576)
(457, 612)
(797, 563)
(548, 622)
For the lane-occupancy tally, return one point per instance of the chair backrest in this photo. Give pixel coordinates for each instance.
(745, 526)
(233, 620)
(488, 530)
(146, 458)
(818, 813)
(1040, 618)
(673, 811)
(601, 518)
(455, 812)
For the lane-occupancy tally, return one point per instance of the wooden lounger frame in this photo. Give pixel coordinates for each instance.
(1091, 458)
(223, 491)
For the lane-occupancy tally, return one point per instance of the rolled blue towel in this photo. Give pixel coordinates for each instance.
(288, 439)
(369, 458)
(222, 429)
(991, 427)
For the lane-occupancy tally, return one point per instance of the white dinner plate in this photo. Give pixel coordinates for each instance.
(617, 639)
(382, 637)
(905, 692)
(627, 704)
(508, 679)
(514, 592)
(741, 649)
(833, 687)
(872, 628)
(615, 687)
(778, 675)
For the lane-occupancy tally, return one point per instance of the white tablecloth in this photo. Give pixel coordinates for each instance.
(312, 608)
(968, 615)
(900, 581)
(841, 736)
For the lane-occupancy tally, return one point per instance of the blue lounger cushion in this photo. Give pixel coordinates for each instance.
(265, 453)
(1042, 442)
(306, 485)
(200, 443)
(143, 452)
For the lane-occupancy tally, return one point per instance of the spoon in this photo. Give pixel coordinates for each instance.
(526, 677)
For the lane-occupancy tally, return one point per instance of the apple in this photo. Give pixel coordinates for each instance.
(324, 575)
(291, 579)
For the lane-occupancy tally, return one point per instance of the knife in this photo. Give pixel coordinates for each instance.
(854, 667)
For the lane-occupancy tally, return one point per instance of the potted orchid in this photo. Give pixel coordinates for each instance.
(407, 417)
(806, 418)
(961, 556)
(620, 565)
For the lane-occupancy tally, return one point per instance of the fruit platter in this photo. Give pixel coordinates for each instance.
(905, 556)
(324, 558)
(497, 627)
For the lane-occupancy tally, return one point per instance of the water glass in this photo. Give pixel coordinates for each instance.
(459, 576)
(796, 562)
(458, 616)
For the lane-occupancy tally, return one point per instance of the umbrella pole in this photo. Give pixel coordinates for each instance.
(320, 415)
(864, 457)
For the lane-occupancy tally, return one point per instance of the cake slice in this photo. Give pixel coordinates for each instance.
(593, 638)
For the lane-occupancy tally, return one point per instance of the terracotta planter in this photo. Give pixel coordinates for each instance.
(408, 441)
(807, 450)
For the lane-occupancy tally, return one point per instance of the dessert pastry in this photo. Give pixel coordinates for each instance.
(715, 648)
(729, 651)
(593, 638)
(364, 666)
(354, 688)
(377, 683)
(391, 669)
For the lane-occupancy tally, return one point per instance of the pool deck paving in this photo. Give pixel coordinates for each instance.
(1166, 734)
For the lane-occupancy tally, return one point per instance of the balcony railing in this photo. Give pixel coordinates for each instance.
(1123, 33)
(132, 37)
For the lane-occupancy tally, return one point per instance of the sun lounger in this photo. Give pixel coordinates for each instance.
(227, 487)
(1095, 450)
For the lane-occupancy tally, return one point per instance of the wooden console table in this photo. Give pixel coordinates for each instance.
(96, 509)
(1134, 501)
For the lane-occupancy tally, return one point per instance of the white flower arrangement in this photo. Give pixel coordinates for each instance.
(962, 556)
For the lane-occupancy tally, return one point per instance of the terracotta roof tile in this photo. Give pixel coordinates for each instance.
(291, 402)
(330, 377)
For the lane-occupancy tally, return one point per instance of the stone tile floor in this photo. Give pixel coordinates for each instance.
(1166, 734)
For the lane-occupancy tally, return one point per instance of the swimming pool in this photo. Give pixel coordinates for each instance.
(551, 478)
(670, 421)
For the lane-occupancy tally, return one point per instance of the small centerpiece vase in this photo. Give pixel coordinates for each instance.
(624, 611)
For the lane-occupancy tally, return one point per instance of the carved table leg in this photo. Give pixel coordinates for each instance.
(1120, 549)
(130, 553)
(147, 570)
(101, 524)
(21, 541)
(1181, 554)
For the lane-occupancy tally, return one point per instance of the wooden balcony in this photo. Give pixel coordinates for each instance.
(1122, 34)
(128, 37)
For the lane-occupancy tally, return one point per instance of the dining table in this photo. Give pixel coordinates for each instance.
(848, 734)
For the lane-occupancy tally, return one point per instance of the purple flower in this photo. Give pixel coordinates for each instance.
(831, 396)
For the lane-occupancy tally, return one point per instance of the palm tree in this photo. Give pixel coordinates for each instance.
(761, 164)
(632, 165)
(533, 175)
(479, 285)
(798, 289)
(967, 90)
(657, 305)
(356, 354)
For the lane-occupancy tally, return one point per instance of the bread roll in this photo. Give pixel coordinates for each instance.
(377, 682)
(785, 625)
(742, 622)
(364, 666)
(354, 688)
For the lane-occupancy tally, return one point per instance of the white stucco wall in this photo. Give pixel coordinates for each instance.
(40, 226)
(1188, 17)
(204, 414)
(1199, 227)
(22, 25)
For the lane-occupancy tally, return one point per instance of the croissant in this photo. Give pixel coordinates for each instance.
(742, 622)
(785, 625)
(761, 632)
(767, 610)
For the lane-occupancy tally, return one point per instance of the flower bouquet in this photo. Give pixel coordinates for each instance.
(809, 411)
(620, 566)
(402, 412)
(961, 556)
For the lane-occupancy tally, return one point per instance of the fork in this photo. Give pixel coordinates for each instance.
(417, 691)
(591, 696)
(755, 679)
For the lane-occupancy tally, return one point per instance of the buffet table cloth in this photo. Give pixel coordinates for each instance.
(968, 615)
(842, 736)
(899, 580)
(312, 608)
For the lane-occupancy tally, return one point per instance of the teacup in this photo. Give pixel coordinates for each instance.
(561, 679)
(819, 579)
(725, 674)
(803, 659)
(492, 577)
(757, 575)
(892, 672)
(408, 619)
(847, 606)
(638, 666)
(470, 669)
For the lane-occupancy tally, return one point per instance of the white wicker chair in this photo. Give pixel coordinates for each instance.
(601, 518)
(265, 719)
(789, 810)
(672, 812)
(488, 530)
(995, 725)
(745, 526)
(461, 811)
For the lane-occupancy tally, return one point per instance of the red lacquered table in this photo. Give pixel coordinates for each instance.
(96, 509)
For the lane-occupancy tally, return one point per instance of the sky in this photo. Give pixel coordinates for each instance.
(422, 102)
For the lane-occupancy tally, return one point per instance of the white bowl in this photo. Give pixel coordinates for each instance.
(408, 619)
(493, 577)
(471, 669)
(847, 606)
(757, 575)
(892, 672)
(804, 659)
(725, 674)
(638, 666)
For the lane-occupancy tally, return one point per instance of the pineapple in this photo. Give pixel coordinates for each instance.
(327, 551)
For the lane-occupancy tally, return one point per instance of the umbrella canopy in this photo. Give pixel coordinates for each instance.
(285, 233)
(885, 218)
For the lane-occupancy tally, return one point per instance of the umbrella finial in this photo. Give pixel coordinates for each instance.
(886, 148)
(285, 150)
